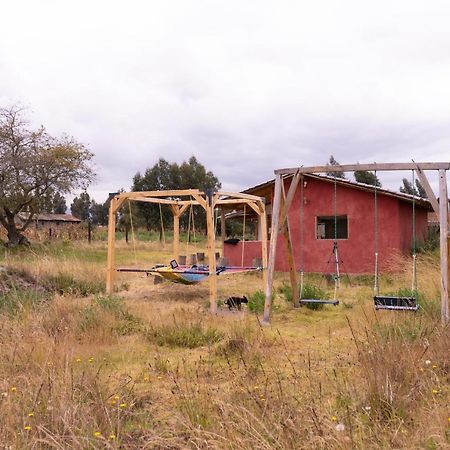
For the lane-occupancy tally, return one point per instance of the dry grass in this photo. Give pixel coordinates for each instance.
(149, 368)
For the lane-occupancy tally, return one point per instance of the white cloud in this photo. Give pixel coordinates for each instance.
(247, 87)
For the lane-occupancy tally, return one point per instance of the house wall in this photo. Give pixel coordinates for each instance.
(356, 252)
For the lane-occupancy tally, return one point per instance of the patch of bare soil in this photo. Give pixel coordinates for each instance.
(18, 280)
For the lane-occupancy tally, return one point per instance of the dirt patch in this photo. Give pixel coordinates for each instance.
(19, 280)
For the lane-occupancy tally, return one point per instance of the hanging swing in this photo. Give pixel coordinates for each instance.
(334, 256)
(395, 303)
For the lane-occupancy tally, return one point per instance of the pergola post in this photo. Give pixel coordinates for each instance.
(211, 256)
(444, 245)
(223, 234)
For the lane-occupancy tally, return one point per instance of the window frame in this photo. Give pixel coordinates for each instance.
(331, 217)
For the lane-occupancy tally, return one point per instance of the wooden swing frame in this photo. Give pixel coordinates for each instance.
(283, 201)
(179, 201)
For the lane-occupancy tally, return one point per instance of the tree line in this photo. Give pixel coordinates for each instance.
(38, 170)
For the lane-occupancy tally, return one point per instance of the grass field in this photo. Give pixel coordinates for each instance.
(149, 368)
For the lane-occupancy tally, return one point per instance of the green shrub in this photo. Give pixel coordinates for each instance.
(65, 283)
(111, 303)
(256, 301)
(189, 335)
(15, 301)
(313, 292)
(89, 319)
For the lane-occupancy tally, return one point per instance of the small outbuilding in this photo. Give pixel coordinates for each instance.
(46, 221)
(326, 209)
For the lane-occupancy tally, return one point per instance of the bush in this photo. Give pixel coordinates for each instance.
(313, 292)
(189, 335)
(309, 291)
(65, 283)
(256, 301)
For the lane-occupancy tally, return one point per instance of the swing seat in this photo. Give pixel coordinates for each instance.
(305, 301)
(396, 303)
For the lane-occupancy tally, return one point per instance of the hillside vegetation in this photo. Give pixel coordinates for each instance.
(148, 367)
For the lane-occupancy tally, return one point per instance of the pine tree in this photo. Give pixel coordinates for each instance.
(332, 162)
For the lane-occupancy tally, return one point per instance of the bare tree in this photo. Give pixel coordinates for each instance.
(33, 163)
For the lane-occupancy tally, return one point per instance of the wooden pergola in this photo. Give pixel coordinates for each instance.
(282, 202)
(179, 201)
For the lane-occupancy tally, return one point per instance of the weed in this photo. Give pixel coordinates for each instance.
(17, 301)
(188, 335)
(65, 283)
(256, 301)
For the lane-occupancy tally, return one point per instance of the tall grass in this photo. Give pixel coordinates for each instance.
(152, 369)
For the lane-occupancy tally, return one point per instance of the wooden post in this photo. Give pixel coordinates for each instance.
(426, 185)
(89, 232)
(444, 245)
(176, 234)
(110, 271)
(263, 237)
(223, 234)
(272, 249)
(211, 258)
(288, 240)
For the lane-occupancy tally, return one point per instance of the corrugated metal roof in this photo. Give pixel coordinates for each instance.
(51, 217)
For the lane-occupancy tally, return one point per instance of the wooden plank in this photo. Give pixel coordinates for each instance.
(272, 249)
(263, 239)
(444, 250)
(110, 272)
(426, 185)
(118, 203)
(211, 259)
(288, 200)
(184, 207)
(163, 201)
(369, 167)
(169, 193)
(202, 202)
(223, 234)
(176, 236)
(289, 249)
(240, 195)
(234, 201)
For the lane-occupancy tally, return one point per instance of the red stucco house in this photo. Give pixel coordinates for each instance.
(355, 213)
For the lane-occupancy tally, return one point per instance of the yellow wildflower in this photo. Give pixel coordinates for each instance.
(334, 418)
(112, 437)
(91, 359)
(123, 405)
(13, 389)
(116, 397)
(27, 428)
(30, 414)
(78, 360)
(97, 434)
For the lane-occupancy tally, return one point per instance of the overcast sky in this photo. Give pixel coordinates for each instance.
(246, 86)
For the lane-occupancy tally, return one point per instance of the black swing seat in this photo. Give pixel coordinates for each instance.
(305, 301)
(396, 303)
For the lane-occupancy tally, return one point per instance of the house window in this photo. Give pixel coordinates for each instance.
(326, 227)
